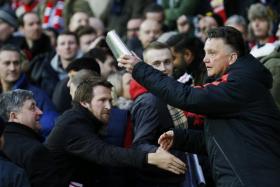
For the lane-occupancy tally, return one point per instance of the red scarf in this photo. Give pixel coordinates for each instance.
(53, 20)
(136, 89)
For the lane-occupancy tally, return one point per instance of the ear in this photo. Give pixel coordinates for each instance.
(188, 56)
(233, 57)
(85, 104)
(12, 117)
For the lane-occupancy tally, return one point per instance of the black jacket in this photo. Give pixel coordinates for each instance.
(81, 154)
(151, 118)
(242, 124)
(23, 146)
(10, 174)
(42, 74)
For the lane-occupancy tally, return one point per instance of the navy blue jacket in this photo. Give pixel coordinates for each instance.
(10, 174)
(242, 124)
(24, 147)
(47, 120)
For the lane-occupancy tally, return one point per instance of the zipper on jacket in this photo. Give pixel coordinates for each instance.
(227, 159)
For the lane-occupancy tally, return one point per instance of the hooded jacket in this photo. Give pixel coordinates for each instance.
(272, 63)
(242, 124)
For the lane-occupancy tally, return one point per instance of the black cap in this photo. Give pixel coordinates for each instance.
(84, 63)
(9, 17)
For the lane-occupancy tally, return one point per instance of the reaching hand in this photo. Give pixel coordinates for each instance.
(166, 140)
(167, 161)
(128, 61)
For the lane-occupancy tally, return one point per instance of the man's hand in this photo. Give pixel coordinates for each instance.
(128, 61)
(166, 140)
(166, 161)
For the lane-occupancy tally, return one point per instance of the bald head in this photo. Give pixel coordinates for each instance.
(149, 31)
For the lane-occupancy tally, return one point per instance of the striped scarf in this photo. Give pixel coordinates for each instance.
(53, 15)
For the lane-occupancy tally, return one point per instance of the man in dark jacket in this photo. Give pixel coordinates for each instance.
(23, 144)
(10, 174)
(151, 117)
(34, 42)
(12, 77)
(242, 125)
(79, 149)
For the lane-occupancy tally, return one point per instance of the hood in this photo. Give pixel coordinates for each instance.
(136, 89)
(252, 68)
(275, 54)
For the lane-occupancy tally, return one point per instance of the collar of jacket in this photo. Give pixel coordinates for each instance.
(21, 83)
(87, 115)
(136, 89)
(17, 128)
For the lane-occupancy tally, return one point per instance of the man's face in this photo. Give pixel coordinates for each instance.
(133, 26)
(29, 115)
(78, 19)
(85, 41)
(205, 23)
(160, 59)
(6, 31)
(108, 67)
(67, 47)
(126, 79)
(260, 28)
(9, 66)
(32, 27)
(150, 30)
(217, 56)
(100, 104)
(183, 24)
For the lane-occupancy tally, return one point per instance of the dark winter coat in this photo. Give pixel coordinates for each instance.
(24, 147)
(242, 124)
(10, 174)
(81, 154)
(151, 118)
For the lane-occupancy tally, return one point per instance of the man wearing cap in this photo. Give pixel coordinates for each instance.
(10, 174)
(8, 25)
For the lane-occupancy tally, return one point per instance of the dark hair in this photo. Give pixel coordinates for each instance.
(231, 37)
(153, 8)
(84, 30)
(182, 42)
(99, 54)
(10, 47)
(84, 63)
(69, 33)
(54, 31)
(21, 18)
(84, 92)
